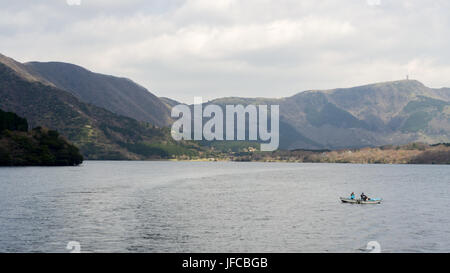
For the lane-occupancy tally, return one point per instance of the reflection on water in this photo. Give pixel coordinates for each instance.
(223, 207)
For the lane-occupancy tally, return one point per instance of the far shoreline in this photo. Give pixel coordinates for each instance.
(233, 161)
(408, 154)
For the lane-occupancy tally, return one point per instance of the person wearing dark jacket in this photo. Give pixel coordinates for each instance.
(364, 197)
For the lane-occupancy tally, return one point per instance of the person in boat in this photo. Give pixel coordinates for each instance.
(352, 196)
(364, 197)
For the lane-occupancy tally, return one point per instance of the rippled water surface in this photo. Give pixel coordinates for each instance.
(223, 207)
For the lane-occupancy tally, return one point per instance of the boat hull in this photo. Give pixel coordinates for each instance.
(359, 201)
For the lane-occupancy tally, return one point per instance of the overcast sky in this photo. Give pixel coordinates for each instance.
(216, 48)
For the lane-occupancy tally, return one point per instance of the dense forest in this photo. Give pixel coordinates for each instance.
(38, 147)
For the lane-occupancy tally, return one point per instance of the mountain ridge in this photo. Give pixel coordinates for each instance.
(117, 94)
(393, 112)
(97, 132)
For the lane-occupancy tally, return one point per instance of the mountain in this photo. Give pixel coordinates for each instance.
(396, 112)
(118, 95)
(99, 133)
(22, 70)
(94, 111)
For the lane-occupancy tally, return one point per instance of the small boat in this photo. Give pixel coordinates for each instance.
(359, 201)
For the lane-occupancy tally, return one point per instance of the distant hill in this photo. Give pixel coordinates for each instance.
(40, 147)
(413, 153)
(99, 133)
(22, 70)
(443, 93)
(118, 95)
(169, 102)
(102, 114)
(396, 112)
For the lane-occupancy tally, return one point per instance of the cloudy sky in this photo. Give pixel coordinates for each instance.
(216, 48)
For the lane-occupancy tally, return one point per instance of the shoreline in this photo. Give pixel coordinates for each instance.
(409, 154)
(234, 161)
(223, 160)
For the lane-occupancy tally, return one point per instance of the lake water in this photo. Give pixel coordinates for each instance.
(223, 207)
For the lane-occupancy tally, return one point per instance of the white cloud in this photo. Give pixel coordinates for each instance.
(248, 48)
(73, 2)
(373, 2)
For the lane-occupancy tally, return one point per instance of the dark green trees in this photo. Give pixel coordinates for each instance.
(39, 147)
